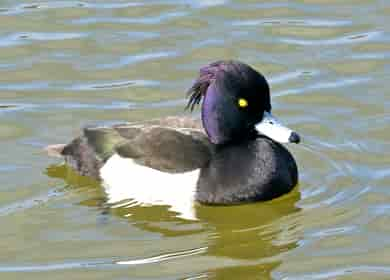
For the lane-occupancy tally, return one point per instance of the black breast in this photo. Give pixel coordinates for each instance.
(260, 169)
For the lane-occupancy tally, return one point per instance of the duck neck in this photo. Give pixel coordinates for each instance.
(240, 139)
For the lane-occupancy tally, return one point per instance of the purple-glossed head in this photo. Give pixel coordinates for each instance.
(236, 104)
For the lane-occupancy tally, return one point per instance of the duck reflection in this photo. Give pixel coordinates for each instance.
(244, 241)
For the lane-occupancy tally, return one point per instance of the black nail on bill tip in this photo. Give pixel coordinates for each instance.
(294, 138)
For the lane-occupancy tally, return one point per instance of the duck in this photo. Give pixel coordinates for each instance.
(232, 154)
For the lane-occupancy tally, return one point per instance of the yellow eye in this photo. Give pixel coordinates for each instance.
(242, 103)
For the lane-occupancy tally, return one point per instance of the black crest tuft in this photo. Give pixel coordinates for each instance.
(233, 75)
(207, 75)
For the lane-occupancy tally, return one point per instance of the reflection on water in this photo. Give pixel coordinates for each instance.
(68, 64)
(262, 230)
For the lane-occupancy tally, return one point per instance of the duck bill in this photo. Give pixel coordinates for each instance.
(272, 128)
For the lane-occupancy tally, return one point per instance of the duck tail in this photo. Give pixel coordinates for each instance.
(55, 150)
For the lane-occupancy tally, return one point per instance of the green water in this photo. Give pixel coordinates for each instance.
(68, 64)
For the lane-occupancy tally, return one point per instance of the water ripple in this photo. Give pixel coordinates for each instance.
(112, 85)
(294, 22)
(35, 7)
(350, 39)
(133, 59)
(165, 257)
(127, 20)
(28, 203)
(25, 37)
(340, 83)
(102, 263)
(285, 77)
(84, 86)
(342, 272)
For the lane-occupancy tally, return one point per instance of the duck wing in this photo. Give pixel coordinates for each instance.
(171, 145)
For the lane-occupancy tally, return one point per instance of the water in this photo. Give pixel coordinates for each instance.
(68, 64)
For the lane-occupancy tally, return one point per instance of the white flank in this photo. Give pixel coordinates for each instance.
(124, 179)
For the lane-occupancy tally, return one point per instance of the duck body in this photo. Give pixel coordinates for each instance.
(258, 169)
(252, 170)
(226, 156)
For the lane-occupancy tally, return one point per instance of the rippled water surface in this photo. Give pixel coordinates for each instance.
(68, 64)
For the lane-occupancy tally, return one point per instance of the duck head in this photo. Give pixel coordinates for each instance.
(236, 104)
